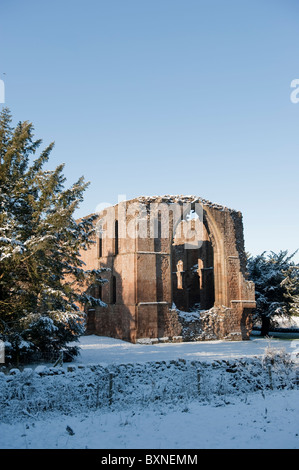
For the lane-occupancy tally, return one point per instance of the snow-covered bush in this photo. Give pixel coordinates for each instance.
(276, 279)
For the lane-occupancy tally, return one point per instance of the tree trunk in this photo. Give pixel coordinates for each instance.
(265, 326)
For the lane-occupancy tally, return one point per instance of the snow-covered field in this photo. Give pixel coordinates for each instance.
(260, 422)
(266, 418)
(97, 349)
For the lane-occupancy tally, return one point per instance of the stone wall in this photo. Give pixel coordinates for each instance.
(80, 388)
(148, 273)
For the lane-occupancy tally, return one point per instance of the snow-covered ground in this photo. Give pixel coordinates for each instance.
(98, 349)
(256, 421)
(263, 419)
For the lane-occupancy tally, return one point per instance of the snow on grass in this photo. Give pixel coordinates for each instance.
(99, 349)
(268, 421)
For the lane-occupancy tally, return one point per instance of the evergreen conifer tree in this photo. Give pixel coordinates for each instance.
(276, 279)
(41, 304)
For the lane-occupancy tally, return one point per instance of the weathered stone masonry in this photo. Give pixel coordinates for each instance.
(155, 281)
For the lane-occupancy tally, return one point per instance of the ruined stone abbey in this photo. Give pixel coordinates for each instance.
(177, 271)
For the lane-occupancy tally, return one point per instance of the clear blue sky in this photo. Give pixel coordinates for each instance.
(152, 97)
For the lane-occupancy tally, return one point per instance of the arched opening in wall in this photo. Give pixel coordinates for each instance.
(114, 289)
(100, 234)
(116, 238)
(100, 247)
(192, 268)
(158, 234)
